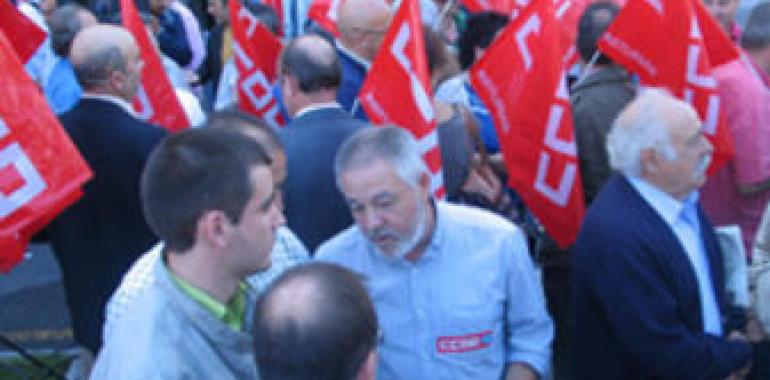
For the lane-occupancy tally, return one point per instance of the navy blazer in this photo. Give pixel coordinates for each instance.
(98, 238)
(314, 208)
(636, 299)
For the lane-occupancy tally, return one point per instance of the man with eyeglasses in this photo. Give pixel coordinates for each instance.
(455, 290)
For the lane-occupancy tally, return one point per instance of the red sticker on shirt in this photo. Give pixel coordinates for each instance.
(463, 343)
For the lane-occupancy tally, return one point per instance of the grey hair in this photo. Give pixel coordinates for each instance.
(64, 24)
(392, 144)
(640, 126)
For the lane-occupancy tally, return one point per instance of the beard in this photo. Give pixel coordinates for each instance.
(403, 245)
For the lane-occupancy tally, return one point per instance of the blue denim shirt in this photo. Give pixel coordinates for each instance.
(468, 307)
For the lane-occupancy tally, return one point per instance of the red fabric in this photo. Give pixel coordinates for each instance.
(324, 12)
(23, 34)
(500, 6)
(662, 42)
(397, 88)
(256, 51)
(277, 6)
(42, 171)
(521, 80)
(156, 100)
(719, 47)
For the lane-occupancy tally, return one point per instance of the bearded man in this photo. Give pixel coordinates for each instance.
(455, 290)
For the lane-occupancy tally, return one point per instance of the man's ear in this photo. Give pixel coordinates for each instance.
(213, 229)
(649, 161)
(368, 370)
(424, 183)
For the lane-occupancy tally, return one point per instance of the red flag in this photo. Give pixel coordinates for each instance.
(324, 12)
(256, 51)
(41, 171)
(521, 79)
(23, 34)
(568, 14)
(719, 47)
(661, 41)
(156, 100)
(397, 88)
(505, 7)
(277, 6)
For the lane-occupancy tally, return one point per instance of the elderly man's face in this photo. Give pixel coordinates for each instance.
(687, 172)
(390, 212)
(723, 11)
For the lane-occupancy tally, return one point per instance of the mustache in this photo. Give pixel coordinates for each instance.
(383, 233)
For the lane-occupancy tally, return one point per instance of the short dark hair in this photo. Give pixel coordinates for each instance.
(435, 49)
(64, 24)
(234, 119)
(193, 172)
(481, 29)
(313, 73)
(756, 34)
(265, 14)
(328, 337)
(591, 26)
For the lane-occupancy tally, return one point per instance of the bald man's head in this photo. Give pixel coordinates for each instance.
(362, 25)
(310, 73)
(106, 61)
(315, 321)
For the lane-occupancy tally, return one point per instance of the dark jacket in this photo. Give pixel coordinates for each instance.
(353, 75)
(315, 209)
(97, 239)
(636, 299)
(596, 102)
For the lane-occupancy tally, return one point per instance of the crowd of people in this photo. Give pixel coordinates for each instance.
(234, 250)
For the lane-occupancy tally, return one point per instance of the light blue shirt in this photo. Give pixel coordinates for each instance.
(62, 89)
(468, 307)
(682, 218)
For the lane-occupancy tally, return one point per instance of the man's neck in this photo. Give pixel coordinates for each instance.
(430, 229)
(191, 267)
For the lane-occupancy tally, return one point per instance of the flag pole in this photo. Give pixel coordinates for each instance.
(586, 69)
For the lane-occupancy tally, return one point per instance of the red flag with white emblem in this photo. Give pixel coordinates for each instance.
(324, 13)
(718, 45)
(41, 170)
(397, 89)
(521, 79)
(156, 100)
(662, 42)
(256, 51)
(23, 34)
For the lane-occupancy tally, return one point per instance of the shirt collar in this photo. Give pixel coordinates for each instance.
(355, 57)
(669, 208)
(231, 314)
(316, 107)
(126, 106)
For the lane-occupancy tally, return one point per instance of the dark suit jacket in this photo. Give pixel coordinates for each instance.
(636, 299)
(97, 239)
(315, 209)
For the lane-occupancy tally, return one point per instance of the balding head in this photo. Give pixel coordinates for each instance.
(658, 138)
(362, 25)
(106, 61)
(310, 73)
(315, 321)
